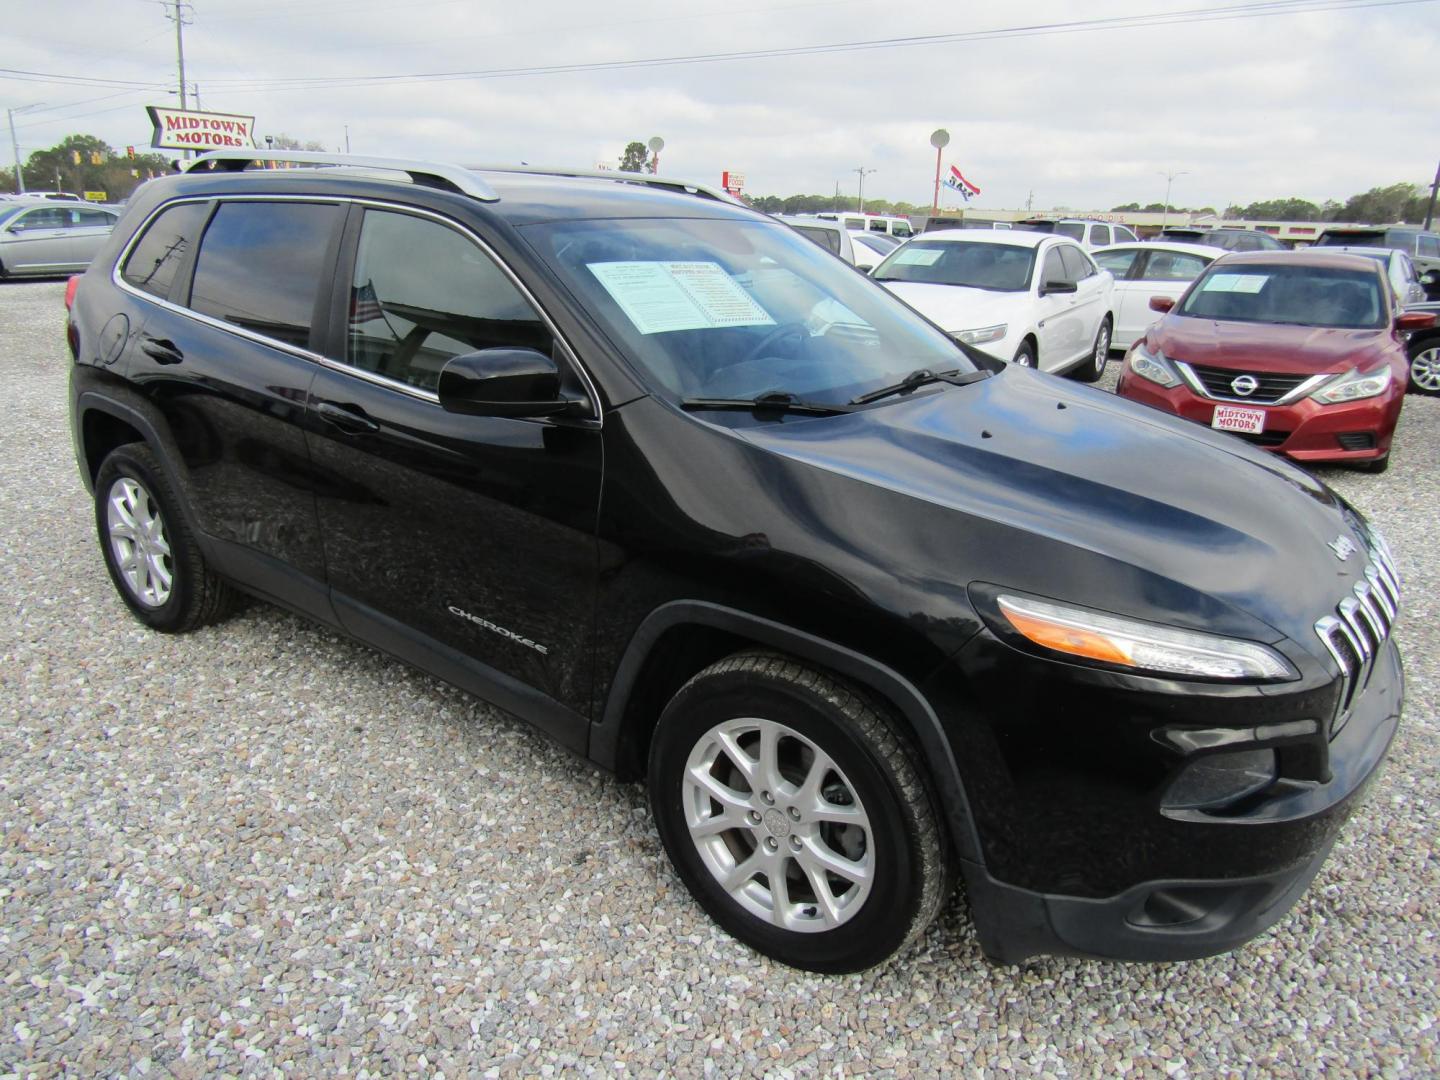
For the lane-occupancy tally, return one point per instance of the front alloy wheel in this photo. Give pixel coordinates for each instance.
(795, 809)
(1425, 370)
(778, 825)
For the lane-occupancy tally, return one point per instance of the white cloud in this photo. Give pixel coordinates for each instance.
(1320, 105)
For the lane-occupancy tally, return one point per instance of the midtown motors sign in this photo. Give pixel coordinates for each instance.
(182, 129)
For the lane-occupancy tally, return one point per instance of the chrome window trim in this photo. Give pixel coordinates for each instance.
(117, 278)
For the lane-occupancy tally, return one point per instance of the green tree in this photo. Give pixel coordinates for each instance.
(1129, 206)
(100, 168)
(286, 142)
(1381, 206)
(635, 159)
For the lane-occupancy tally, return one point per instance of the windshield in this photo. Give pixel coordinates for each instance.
(1277, 293)
(968, 263)
(736, 309)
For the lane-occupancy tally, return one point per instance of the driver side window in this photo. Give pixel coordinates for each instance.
(422, 293)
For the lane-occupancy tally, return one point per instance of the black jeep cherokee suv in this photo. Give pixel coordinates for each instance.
(663, 477)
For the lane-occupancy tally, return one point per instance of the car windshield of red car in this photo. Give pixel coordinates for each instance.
(1299, 295)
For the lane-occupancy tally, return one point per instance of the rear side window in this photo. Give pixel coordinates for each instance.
(89, 219)
(1073, 229)
(1174, 266)
(260, 266)
(422, 293)
(829, 239)
(1428, 246)
(154, 260)
(1100, 234)
(1124, 235)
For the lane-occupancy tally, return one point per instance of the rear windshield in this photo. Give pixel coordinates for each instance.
(1292, 295)
(1353, 238)
(997, 267)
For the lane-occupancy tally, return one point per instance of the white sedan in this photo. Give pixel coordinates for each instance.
(1160, 268)
(1033, 299)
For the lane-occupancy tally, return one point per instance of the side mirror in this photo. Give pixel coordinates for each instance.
(1058, 287)
(1162, 304)
(503, 382)
(1414, 320)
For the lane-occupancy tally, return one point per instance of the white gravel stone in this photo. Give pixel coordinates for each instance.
(265, 849)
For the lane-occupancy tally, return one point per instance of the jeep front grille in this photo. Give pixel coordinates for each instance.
(1357, 631)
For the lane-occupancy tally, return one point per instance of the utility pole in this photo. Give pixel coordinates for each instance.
(836, 206)
(15, 146)
(1429, 210)
(178, 17)
(347, 138)
(863, 172)
(1030, 201)
(1169, 179)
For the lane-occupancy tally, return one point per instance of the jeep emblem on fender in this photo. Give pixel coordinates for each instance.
(1245, 385)
(1343, 548)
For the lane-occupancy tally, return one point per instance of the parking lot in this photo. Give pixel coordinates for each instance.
(264, 848)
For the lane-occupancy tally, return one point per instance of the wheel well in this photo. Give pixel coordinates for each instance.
(101, 433)
(680, 653)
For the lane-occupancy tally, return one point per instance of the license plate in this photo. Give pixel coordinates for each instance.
(1230, 418)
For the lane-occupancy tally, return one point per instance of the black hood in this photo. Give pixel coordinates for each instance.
(1111, 503)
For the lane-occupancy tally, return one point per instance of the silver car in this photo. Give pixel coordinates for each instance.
(1404, 279)
(46, 237)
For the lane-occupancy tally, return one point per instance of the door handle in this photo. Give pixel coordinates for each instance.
(348, 418)
(161, 351)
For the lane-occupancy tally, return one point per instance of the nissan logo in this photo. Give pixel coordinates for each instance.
(1245, 385)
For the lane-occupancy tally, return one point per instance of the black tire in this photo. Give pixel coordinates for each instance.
(1379, 465)
(1425, 367)
(195, 596)
(1090, 370)
(910, 869)
(1025, 356)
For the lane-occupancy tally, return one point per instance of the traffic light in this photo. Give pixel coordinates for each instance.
(75, 156)
(97, 158)
(130, 152)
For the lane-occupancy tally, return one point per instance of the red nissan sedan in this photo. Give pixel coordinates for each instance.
(1299, 352)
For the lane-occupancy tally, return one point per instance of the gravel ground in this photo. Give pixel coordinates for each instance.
(263, 849)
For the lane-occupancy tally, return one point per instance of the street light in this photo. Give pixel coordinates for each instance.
(863, 172)
(15, 145)
(1169, 179)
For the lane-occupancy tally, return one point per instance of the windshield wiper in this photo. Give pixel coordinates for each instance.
(917, 379)
(776, 401)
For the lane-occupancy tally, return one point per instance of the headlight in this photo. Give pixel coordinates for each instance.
(982, 335)
(1354, 386)
(1155, 368)
(1128, 643)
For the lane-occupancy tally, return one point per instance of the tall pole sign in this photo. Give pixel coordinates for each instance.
(939, 139)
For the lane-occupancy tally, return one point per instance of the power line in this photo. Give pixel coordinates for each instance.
(1268, 8)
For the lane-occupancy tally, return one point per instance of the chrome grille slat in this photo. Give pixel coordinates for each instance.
(1381, 597)
(1356, 633)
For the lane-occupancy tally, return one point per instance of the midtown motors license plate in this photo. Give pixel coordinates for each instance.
(1229, 418)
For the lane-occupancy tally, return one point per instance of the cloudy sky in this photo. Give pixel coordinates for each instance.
(1081, 104)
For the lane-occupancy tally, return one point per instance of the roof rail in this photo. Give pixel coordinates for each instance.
(426, 173)
(688, 187)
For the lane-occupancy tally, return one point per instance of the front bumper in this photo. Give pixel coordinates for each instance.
(1304, 431)
(1084, 859)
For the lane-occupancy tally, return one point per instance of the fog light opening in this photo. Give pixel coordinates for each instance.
(1216, 781)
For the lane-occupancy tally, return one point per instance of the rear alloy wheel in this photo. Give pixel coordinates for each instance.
(1425, 369)
(796, 814)
(1093, 368)
(152, 557)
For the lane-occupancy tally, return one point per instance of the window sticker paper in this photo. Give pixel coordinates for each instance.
(918, 256)
(1236, 283)
(660, 297)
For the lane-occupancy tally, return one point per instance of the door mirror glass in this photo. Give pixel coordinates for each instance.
(1054, 286)
(1162, 304)
(503, 382)
(1415, 320)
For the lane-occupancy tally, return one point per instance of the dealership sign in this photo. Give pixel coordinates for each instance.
(186, 129)
(732, 181)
